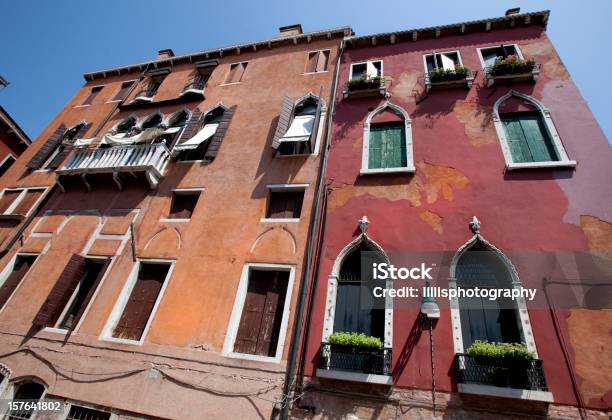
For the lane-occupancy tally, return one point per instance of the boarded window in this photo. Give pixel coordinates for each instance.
(236, 72)
(317, 61)
(94, 271)
(8, 162)
(92, 94)
(528, 138)
(489, 55)
(123, 91)
(262, 313)
(446, 61)
(285, 204)
(21, 267)
(183, 204)
(26, 391)
(82, 413)
(387, 146)
(28, 201)
(143, 296)
(7, 199)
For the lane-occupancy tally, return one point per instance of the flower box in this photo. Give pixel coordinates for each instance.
(512, 69)
(364, 87)
(441, 78)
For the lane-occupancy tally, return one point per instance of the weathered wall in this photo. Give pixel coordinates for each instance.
(460, 172)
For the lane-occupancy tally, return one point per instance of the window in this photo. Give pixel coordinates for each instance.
(72, 292)
(262, 313)
(387, 141)
(92, 94)
(19, 202)
(63, 148)
(183, 204)
(366, 70)
(149, 89)
(527, 137)
(175, 124)
(145, 290)
(82, 413)
(297, 131)
(446, 60)
(489, 55)
(285, 203)
(317, 61)
(152, 121)
(124, 90)
(26, 391)
(236, 72)
(126, 125)
(195, 147)
(11, 277)
(6, 163)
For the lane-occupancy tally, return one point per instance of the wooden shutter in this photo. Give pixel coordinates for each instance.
(47, 148)
(516, 139)
(322, 61)
(192, 127)
(285, 204)
(183, 205)
(312, 140)
(262, 313)
(138, 309)
(217, 138)
(537, 138)
(284, 120)
(20, 269)
(61, 292)
(28, 201)
(90, 292)
(67, 146)
(123, 91)
(92, 94)
(313, 58)
(387, 146)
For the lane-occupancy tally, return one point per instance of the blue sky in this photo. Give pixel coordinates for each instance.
(48, 45)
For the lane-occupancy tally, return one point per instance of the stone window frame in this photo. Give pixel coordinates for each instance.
(409, 168)
(563, 162)
(270, 188)
(488, 47)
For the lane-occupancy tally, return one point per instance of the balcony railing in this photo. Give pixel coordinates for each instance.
(195, 87)
(526, 73)
(364, 87)
(501, 372)
(146, 94)
(355, 359)
(148, 158)
(449, 79)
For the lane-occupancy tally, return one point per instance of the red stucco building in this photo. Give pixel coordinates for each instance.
(432, 127)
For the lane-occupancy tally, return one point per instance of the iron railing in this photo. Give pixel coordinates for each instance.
(355, 359)
(517, 75)
(501, 372)
(196, 84)
(365, 87)
(147, 92)
(460, 78)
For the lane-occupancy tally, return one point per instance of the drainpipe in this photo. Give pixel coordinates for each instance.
(53, 187)
(299, 323)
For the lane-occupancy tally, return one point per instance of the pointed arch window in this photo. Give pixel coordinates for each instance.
(528, 136)
(387, 145)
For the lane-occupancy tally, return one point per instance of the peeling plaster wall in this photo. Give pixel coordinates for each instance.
(461, 173)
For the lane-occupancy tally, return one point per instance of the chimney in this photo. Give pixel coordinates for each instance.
(291, 30)
(514, 11)
(167, 53)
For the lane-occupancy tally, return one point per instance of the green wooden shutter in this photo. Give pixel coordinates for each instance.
(387, 146)
(527, 138)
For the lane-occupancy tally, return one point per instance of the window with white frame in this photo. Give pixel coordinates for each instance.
(194, 148)
(366, 70)
(13, 274)
(489, 55)
(317, 61)
(303, 133)
(442, 60)
(387, 145)
(26, 390)
(285, 202)
(183, 204)
(19, 202)
(6, 163)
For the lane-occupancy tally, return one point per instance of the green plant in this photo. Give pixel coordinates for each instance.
(355, 339)
(505, 350)
(443, 75)
(364, 83)
(512, 64)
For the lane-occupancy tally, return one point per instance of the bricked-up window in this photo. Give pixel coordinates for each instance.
(236, 72)
(262, 313)
(317, 61)
(26, 391)
(285, 204)
(92, 95)
(19, 202)
(82, 413)
(26, 203)
(123, 91)
(183, 204)
(7, 199)
(87, 285)
(6, 163)
(21, 266)
(138, 309)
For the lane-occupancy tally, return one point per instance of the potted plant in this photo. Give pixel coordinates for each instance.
(505, 362)
(512, 64)
(356, 351)
(445, 75)
(364, 82)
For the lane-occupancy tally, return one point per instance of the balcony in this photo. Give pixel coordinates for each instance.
(364, 88)
(195, 87)
(528, 71)
(146, 94)
(150, 159)
(460, 77)
(503, 377)
(355, 363)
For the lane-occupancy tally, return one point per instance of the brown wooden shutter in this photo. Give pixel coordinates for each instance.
(123, 91)
(285, 204)
(138, 309)
(45, 151)
(28, 201)
(312, 140)
(322, 61)
(61, 292)
(217, 138)
(311, 66)
(20, 269)
(192, 127)
(284, 120)
(183, 205)
(91, 291)
(232, 73)
(67, 147)
(262, 313)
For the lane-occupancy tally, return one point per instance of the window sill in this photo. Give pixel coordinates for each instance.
(81, 106)
(253, 357)
(542, 165)
(407, 170)
(190, 161)
(315, 72)
(495, 391)
(115, 101)
(355, 377)
(230, 84)
(56, 330)
(122, 341)
(278, 155)
(271, 220)
(177, 220)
